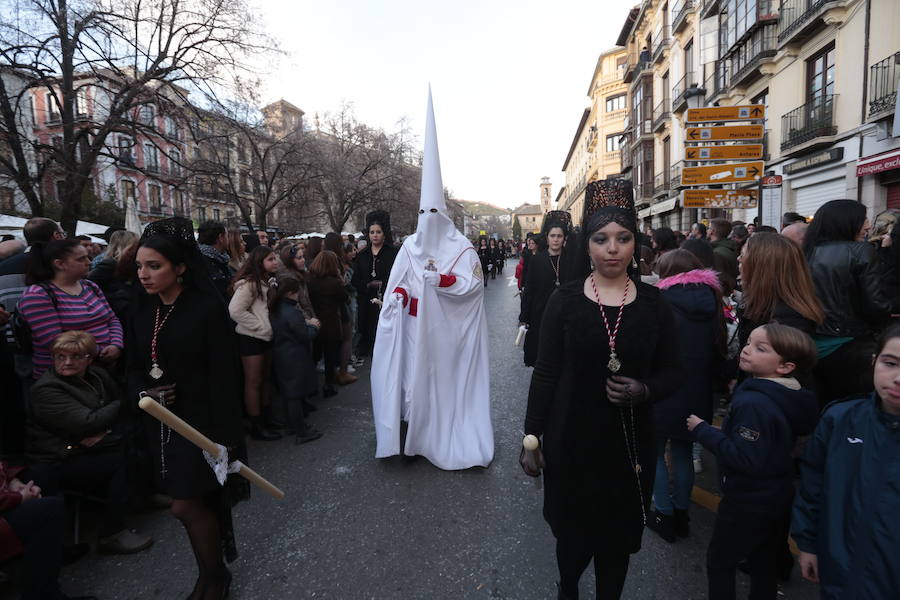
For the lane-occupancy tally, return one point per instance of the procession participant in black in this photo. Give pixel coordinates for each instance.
(183, 353)
(607, 349)
(496, 258)
(547, 270)
(484, 256)
(371, 270)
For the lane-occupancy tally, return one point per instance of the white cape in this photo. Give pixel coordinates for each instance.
(430, 362)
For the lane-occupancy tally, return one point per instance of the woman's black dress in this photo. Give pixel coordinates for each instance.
(197, 351)
(540, 283)
(591, 491)
(367, 312)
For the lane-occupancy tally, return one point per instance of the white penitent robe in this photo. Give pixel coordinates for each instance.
(430, 362)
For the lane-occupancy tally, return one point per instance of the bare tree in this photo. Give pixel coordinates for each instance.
(358, 167)
(94, 67)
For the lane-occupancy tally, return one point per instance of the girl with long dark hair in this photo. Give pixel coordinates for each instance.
(328, 294)
(183, 353)
(847, 279)
(608, 347)
(334, 244)
(250, 311)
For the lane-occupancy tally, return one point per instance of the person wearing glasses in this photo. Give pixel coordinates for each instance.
(61, 298)
(72, 442)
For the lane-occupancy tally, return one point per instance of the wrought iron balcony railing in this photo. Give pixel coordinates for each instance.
(883, 78)
(813, 120)
(798, 18)
(661, 183)
(761, 46)
(661, 114)
(679, 96)
(681, 9)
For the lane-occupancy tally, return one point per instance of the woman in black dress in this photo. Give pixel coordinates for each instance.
(371, 271)
(607, 350)
(484, 257)
(547, 270)
(183, 353)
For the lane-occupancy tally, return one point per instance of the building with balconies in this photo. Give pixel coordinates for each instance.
(595, 150)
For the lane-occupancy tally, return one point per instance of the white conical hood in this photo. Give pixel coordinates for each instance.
(432, 195)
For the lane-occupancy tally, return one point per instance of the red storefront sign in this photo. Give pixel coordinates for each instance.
(879, 163)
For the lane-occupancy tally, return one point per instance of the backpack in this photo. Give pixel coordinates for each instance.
(21, 330)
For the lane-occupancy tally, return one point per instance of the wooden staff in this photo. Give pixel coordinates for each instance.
(179, 425)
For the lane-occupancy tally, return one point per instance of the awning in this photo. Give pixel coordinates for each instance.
(878, 163)
(643, 214)
(664, 206)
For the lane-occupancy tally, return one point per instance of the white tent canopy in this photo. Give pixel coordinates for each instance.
(12, 224)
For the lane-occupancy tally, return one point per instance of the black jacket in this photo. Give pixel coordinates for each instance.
(65, 410)
(755, 445)
(292, 352)
(848, 283)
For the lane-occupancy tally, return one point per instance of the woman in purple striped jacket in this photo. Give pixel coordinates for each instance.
(60, 298)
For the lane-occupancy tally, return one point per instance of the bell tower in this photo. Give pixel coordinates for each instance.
(545, 195)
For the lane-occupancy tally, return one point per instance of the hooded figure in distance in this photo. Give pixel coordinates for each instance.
(430, 365)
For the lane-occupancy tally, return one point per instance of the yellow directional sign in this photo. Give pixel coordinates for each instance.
(720, 198)
(736, 152)
(730, 173)
(724, 132)
(747, 112)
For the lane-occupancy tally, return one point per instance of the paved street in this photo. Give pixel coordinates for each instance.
(355, 527)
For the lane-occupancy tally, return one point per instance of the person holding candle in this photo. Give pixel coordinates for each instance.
(183, 353)
(371, 270)
(608, 348)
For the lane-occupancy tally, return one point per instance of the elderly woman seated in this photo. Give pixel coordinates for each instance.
(71, 444)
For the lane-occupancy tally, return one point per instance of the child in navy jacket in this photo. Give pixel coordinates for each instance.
(754, 451)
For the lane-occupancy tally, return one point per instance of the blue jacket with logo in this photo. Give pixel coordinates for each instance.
(755, 445)
(848, 509)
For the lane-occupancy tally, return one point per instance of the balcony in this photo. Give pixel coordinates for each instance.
(717, 83)
(883, 79)
(152, 168)
(626, 158)
(809, 125)
(758, 50)
(680, 91)
(681, 9)
(661, 184)
(709, 8)
(660, 48)
(643, 191)
(802, 19)
(661, 115)
(643, 122)
(675, 175)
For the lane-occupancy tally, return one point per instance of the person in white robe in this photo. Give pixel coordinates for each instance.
(430, 365)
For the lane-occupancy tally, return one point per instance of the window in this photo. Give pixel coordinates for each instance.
(217, 214)
(171, 128)
(33, 110)
(614, 103)
(81, 102)
(175, 163)
(178, 202)
(614, 142)
(621, 65)
(155, 194)
(128, 192)
(125, 144)
(151, 158)
(146, 114)
(7, 203)
(689, 60)
(244, 182)
(201, 213)
(51, 110)
(820, 74)
(242, 151)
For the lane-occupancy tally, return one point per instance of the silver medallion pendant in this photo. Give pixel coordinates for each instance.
(557, 283)
(613, 365)
(155, 371)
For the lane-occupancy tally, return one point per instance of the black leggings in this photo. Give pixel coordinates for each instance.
(39, 523)
(573, 557)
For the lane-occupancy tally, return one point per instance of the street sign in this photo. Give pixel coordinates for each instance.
(724, 132)
(730, 173)
(748, 112)
(736, 152)
(720, 198)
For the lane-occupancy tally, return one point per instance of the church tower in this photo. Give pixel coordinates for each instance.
(545, 195)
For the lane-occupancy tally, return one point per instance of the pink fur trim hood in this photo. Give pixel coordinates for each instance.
(701, 276)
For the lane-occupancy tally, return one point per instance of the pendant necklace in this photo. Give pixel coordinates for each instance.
(374, 258)
(155, 371)
(555, 267)
(613, 365)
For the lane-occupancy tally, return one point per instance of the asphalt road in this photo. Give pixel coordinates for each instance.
(354, 527)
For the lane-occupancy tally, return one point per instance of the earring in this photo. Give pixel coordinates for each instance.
(180, 279)
(634, 264)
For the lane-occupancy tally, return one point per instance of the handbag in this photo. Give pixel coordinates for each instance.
(21, 330)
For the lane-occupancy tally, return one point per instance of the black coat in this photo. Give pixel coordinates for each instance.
(367, 312)
(328, 294)
(540, 283)
(590, 486)
(847, 277)
(292, 352)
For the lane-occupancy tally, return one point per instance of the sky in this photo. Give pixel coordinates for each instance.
(509, 77)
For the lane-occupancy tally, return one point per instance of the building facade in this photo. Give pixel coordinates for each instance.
(826, 70)
(594, 153)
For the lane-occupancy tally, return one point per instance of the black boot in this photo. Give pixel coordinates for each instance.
(269, 419)
(307, 434)
(258, 431)
(682, 529)
(328, 391)
(561, 595)
(663, 525)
